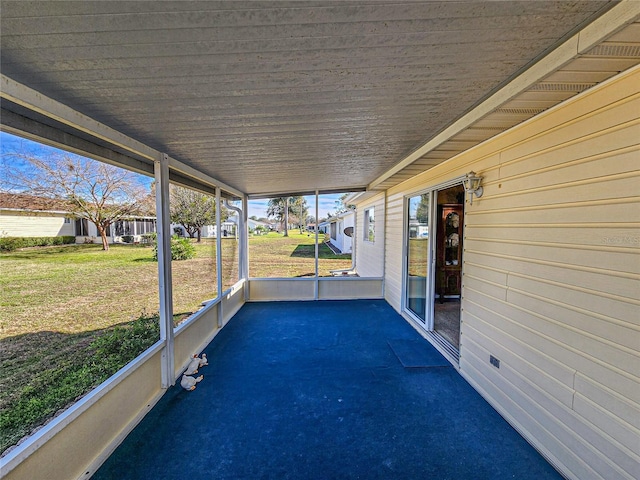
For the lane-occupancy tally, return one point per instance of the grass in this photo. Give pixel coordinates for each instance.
(292, 256)
(71, 316)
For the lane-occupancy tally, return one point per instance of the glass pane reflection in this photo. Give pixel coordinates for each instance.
(418, 255)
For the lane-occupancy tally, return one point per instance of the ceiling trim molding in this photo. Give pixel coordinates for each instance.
(616, 18)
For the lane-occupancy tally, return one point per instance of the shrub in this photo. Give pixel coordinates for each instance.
(181, 249)
(122, 344)
(9, 244)
(127, 238)
(149, 238)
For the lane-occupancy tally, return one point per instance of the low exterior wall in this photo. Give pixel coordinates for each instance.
(276, 289)
(322, 288)
(349, 288)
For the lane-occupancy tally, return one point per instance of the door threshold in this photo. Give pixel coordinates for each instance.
(445, 347)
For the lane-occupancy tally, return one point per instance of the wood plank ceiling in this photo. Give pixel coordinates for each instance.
(294, 96)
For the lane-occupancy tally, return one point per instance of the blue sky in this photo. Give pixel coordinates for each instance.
(326, 205)
(11, 144)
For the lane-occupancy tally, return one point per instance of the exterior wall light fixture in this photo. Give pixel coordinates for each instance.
(472, 186)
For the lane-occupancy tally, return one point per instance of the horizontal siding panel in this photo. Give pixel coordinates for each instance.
(554, 168)
(581, 135)
(622, 261)
(572, 299)
(626, 409)
(495, 290)
(34, 226)
(512, 354)
(564, 445)
(582, 438)
(623, 186)
(393, 251)
(607, 352)
(626, 212)
(483, 273)
(623, 433)
(620, 285)
(478, 317)
(593, 235)
(624, 333)
(524, 324)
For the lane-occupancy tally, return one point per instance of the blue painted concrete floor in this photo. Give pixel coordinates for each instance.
(318, 390)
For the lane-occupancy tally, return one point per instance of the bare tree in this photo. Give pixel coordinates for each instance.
(96, 191)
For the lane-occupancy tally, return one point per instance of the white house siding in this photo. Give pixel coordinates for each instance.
(551, 277)
(33, 224)
(370, 255)
(342, 241)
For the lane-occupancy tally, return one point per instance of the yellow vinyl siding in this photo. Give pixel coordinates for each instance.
(14, 224)
(551, 282)
(393, 251)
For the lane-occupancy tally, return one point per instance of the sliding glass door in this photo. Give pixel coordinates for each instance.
(418, 257)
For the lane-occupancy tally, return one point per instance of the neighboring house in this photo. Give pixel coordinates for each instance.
(208, 231)
(253, 224)
(29, 216)
(336, 227)
(323, 227)
(229, 228)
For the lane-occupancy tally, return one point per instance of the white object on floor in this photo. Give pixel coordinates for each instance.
(189, 383)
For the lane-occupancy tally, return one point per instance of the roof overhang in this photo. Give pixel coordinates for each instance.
(362, 98)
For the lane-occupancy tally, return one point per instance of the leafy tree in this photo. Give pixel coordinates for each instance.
(193, 210)
(297, 208)
(422, 210)
(276, 209)
(341, 206)
(96, 191)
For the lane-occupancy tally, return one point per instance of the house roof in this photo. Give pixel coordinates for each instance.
(32, 203)
(335, 218)
(297, 96)
(15, 201)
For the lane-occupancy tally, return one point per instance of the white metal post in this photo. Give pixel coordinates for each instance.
(161, 170)
(244, 246)
(317, 286)
(219, 252)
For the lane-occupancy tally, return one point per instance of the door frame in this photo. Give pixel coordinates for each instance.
(432, 191)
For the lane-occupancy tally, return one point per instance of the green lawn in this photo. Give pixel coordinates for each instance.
(71, 316)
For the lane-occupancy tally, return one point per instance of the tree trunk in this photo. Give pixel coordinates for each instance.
(103, 235)
(199, 234)
(286, 217)
(300, 219)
